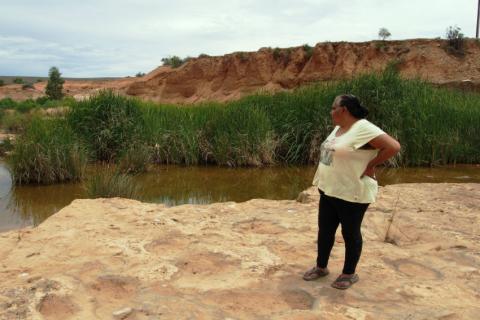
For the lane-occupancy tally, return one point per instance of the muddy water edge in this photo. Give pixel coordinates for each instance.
(175, 185)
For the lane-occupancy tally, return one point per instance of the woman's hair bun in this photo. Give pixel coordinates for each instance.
(353, 106)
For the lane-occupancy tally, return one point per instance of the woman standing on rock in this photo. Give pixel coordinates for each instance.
(346, 180)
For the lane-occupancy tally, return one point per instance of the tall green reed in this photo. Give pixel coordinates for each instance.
(48, 152)
(107, 123)
(110, 183)
(435, 126)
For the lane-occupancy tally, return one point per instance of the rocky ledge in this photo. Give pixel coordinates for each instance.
(123, 259)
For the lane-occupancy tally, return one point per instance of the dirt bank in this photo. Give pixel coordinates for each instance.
(234, 75)
(97, 259)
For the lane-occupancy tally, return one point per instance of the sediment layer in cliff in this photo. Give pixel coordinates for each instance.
(234, 75)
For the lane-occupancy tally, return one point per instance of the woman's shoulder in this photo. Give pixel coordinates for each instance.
(365, 125)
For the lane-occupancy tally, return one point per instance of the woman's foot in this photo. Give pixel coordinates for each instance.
(315, 273)
(345, 281)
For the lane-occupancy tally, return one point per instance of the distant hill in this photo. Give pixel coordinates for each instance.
(29, 79)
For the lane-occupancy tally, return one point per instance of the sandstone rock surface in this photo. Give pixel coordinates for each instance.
(97, 258)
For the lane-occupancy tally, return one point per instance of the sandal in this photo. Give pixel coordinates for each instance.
(345, 282)
(315, 273)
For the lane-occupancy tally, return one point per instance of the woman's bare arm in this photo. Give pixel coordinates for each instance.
(387, 148)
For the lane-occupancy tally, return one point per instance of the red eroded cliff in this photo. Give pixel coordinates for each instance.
(234, 75)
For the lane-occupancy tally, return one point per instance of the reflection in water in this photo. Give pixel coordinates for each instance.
(176, 185)
(201, 185)
(36, 203)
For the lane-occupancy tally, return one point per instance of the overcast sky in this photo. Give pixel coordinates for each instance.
(97, 38)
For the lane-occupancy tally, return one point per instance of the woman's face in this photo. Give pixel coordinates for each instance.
(337, 113)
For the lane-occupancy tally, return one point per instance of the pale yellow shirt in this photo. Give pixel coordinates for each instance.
(342, 163)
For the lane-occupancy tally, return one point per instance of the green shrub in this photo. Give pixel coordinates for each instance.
(282, 55)
(47, 153)
(2, 83)
(455, 40)
(108, 183)
(18, 80)
(174, 61)
(308, 51)
(42, 100)
(7, 103)
(107, 123)
(25, 106)
(140, 74)
(27, 86)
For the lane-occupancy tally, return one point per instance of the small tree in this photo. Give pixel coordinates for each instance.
(18, 81)
(55, 84)
(383, 34)
(2, 83)
(455, 38)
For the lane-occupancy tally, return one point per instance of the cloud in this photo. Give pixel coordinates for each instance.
(123, 37)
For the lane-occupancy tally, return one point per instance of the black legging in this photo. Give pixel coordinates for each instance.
(331, 212)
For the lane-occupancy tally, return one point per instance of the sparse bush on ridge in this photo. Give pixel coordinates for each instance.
(276, 53)
(282, 55)
(174, 61)
(455, 40)
(308, 51)
(18, 81)
(243, 56)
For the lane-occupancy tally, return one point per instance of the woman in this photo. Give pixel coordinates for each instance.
(346, 180)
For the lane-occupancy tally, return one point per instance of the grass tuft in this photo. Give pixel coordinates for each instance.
(109, 183)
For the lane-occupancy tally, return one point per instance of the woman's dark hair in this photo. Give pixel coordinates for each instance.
(353, 106)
